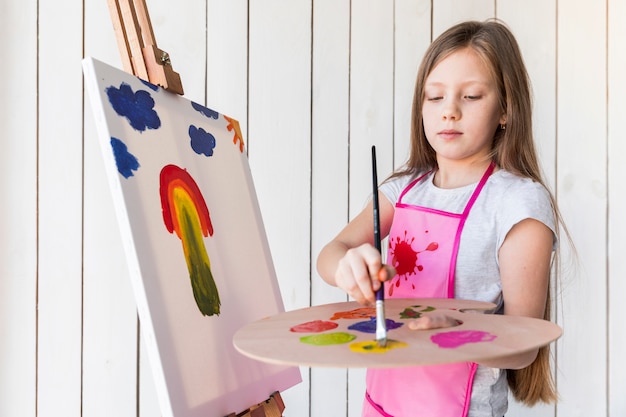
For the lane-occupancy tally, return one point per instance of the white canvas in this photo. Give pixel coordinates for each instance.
(188, 212)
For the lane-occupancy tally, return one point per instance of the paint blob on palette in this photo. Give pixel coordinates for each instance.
(342, 335)
(314, 326)
(444, 339)
(372, 346)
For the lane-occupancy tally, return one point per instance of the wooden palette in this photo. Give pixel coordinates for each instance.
(287, 338)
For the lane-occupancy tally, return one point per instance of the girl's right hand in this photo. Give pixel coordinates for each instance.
(360, 273)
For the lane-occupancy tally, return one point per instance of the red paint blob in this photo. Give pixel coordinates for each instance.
(315, 326)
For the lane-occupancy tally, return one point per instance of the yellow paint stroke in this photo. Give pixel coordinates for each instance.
(372, 346)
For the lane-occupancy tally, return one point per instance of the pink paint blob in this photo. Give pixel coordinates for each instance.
(458, 338)
(315, 326)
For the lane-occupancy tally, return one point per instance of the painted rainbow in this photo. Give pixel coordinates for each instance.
(185, 213)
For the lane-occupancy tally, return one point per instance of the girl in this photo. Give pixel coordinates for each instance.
(473, 206)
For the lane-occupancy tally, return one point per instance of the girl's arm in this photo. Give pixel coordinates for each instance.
(350, 260)
(525, 263)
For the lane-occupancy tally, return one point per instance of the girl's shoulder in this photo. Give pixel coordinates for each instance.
(513, 186)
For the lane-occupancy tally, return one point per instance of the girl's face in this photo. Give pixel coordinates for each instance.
(460, 109)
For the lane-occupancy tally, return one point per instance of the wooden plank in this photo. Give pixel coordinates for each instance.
(412, 37)
(109, 310)
(581, 192)
(227, 59)
(60, 209)
(371, 97)
(539, 52)
(279, 125)
(279, 147)
(449, 12)
(330, 133)
(148, 398)
(329, 192)
(181, 32)
(18, 222)
(371, 120)
(617, 208)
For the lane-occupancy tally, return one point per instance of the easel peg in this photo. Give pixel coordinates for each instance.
(160, 71)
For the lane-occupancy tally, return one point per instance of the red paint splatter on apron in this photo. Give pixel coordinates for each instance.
(405, 259)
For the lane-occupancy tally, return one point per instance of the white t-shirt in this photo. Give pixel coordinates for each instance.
(505, 200)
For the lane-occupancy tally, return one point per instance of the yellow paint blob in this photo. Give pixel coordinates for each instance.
(372, 346)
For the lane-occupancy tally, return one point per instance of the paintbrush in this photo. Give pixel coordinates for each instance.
(381, 324)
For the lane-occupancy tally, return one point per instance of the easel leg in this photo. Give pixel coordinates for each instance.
(272, 407)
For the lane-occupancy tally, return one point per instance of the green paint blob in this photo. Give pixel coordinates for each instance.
(326, 339)
(411, 313)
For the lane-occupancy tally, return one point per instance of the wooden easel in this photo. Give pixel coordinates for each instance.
(135, 40)
(142, 58)
(272, 407)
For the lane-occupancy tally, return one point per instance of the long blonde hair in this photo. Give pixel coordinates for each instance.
(513, 150)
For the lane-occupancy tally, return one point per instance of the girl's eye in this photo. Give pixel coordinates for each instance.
(434, 98)
(470, 97)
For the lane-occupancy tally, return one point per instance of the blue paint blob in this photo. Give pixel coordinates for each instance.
(125, 161)
(202, 142)
(136, 107)
(370, 325)
(150, 85)
(211, 114)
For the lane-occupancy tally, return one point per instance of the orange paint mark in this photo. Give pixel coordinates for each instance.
(234, 125)
(359, 313)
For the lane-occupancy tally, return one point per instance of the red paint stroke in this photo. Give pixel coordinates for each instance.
(173, 177)
(459, 338)
(237, 137)
(315, 326)
(359, 313)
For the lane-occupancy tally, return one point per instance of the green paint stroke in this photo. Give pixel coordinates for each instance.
(326, 339)
(204, 289)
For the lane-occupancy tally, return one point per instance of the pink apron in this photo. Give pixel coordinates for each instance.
(423, 247)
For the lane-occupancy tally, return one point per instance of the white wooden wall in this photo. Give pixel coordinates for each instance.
(314, 84)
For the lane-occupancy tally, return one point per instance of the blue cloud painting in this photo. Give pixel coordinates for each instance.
(126, 162)
(202, 142)
(137, 107)
(149, 85)
(211, 114)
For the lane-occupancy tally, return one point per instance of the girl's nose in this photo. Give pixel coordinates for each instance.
(451, 110)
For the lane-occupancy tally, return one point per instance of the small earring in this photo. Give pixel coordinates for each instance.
(503, 126)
